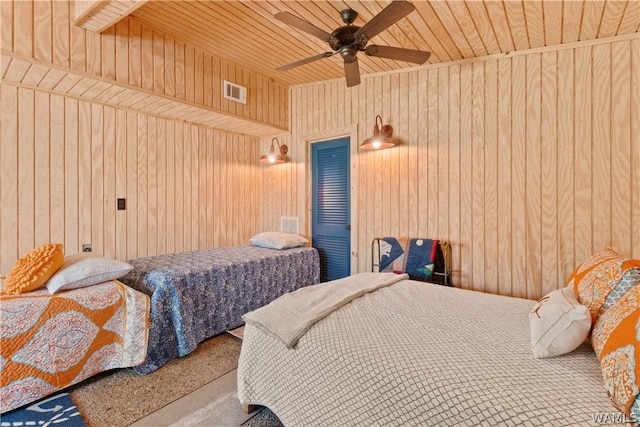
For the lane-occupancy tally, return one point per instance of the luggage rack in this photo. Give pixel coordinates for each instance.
(442, 262)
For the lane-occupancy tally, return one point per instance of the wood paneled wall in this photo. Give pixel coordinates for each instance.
(526, 163)
(65, 159)
(65, 162)
(135, 55)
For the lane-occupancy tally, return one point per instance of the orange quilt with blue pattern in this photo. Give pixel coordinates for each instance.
(49, 342)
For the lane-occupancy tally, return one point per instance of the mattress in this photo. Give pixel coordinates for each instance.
(420, 354)
(49, 342)
(196, 295)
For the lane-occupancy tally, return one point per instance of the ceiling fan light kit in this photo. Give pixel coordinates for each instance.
(350, 39)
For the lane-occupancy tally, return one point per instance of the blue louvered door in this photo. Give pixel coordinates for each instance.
(331, 207)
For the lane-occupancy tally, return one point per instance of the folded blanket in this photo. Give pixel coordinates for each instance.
(421, 255)
(289, 317)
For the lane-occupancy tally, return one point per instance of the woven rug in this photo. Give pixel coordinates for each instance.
(122, 397)
(58, 409)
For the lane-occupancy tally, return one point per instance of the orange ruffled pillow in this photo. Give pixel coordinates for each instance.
(595, 279)
(32, 270)
(615, 342)
(610, 286)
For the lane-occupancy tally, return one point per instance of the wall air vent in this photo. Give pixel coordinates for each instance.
(234, 92)
(289, 224)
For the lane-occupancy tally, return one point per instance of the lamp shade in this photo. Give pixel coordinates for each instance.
(274, 158)
(380, 139)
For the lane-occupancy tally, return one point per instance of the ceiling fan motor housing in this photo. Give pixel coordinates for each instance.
(346, 36)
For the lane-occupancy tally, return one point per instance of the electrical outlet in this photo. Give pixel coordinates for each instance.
(86, 247)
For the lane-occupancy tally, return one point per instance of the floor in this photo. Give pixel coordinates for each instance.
(212, 405)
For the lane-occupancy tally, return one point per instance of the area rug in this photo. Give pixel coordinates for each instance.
(122, 397)
(58, 409)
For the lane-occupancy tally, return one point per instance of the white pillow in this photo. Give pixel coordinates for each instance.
(277, 240)
(559, 324)
(81, 270)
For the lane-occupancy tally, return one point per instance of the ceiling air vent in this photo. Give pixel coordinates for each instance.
(234, 92)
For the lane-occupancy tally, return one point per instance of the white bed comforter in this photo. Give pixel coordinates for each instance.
(289, 317)
(417, 354)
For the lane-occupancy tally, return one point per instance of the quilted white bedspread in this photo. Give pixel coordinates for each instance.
(418, 354)
(290, 316)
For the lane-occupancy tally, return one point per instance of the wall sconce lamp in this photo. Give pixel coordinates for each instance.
(381, 137)
(272, 157)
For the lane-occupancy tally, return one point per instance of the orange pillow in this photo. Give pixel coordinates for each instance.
(610, 286)
(595, 279)
(32, 270)
(615, 341)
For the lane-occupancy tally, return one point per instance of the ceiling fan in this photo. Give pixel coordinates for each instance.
(348, 40)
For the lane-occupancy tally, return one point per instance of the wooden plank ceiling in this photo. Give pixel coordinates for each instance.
(246, 32)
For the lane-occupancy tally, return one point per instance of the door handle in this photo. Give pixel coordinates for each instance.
(348, 227)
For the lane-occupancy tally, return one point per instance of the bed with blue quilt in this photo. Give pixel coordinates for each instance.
(196, 295)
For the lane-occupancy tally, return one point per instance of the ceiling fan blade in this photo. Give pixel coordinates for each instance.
(352, 72)
(304, 61)
(391, 14)
(398, 53)
(303, 25)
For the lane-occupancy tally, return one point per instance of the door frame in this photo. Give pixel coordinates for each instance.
(350, 132)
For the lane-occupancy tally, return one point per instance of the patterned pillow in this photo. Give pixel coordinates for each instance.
(603, 279)
(610, 286)
(34, 269)
(615, 339)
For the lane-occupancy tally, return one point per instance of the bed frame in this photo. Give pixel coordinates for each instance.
(441, 272)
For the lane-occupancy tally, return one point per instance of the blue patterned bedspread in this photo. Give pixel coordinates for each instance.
(196, 295)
